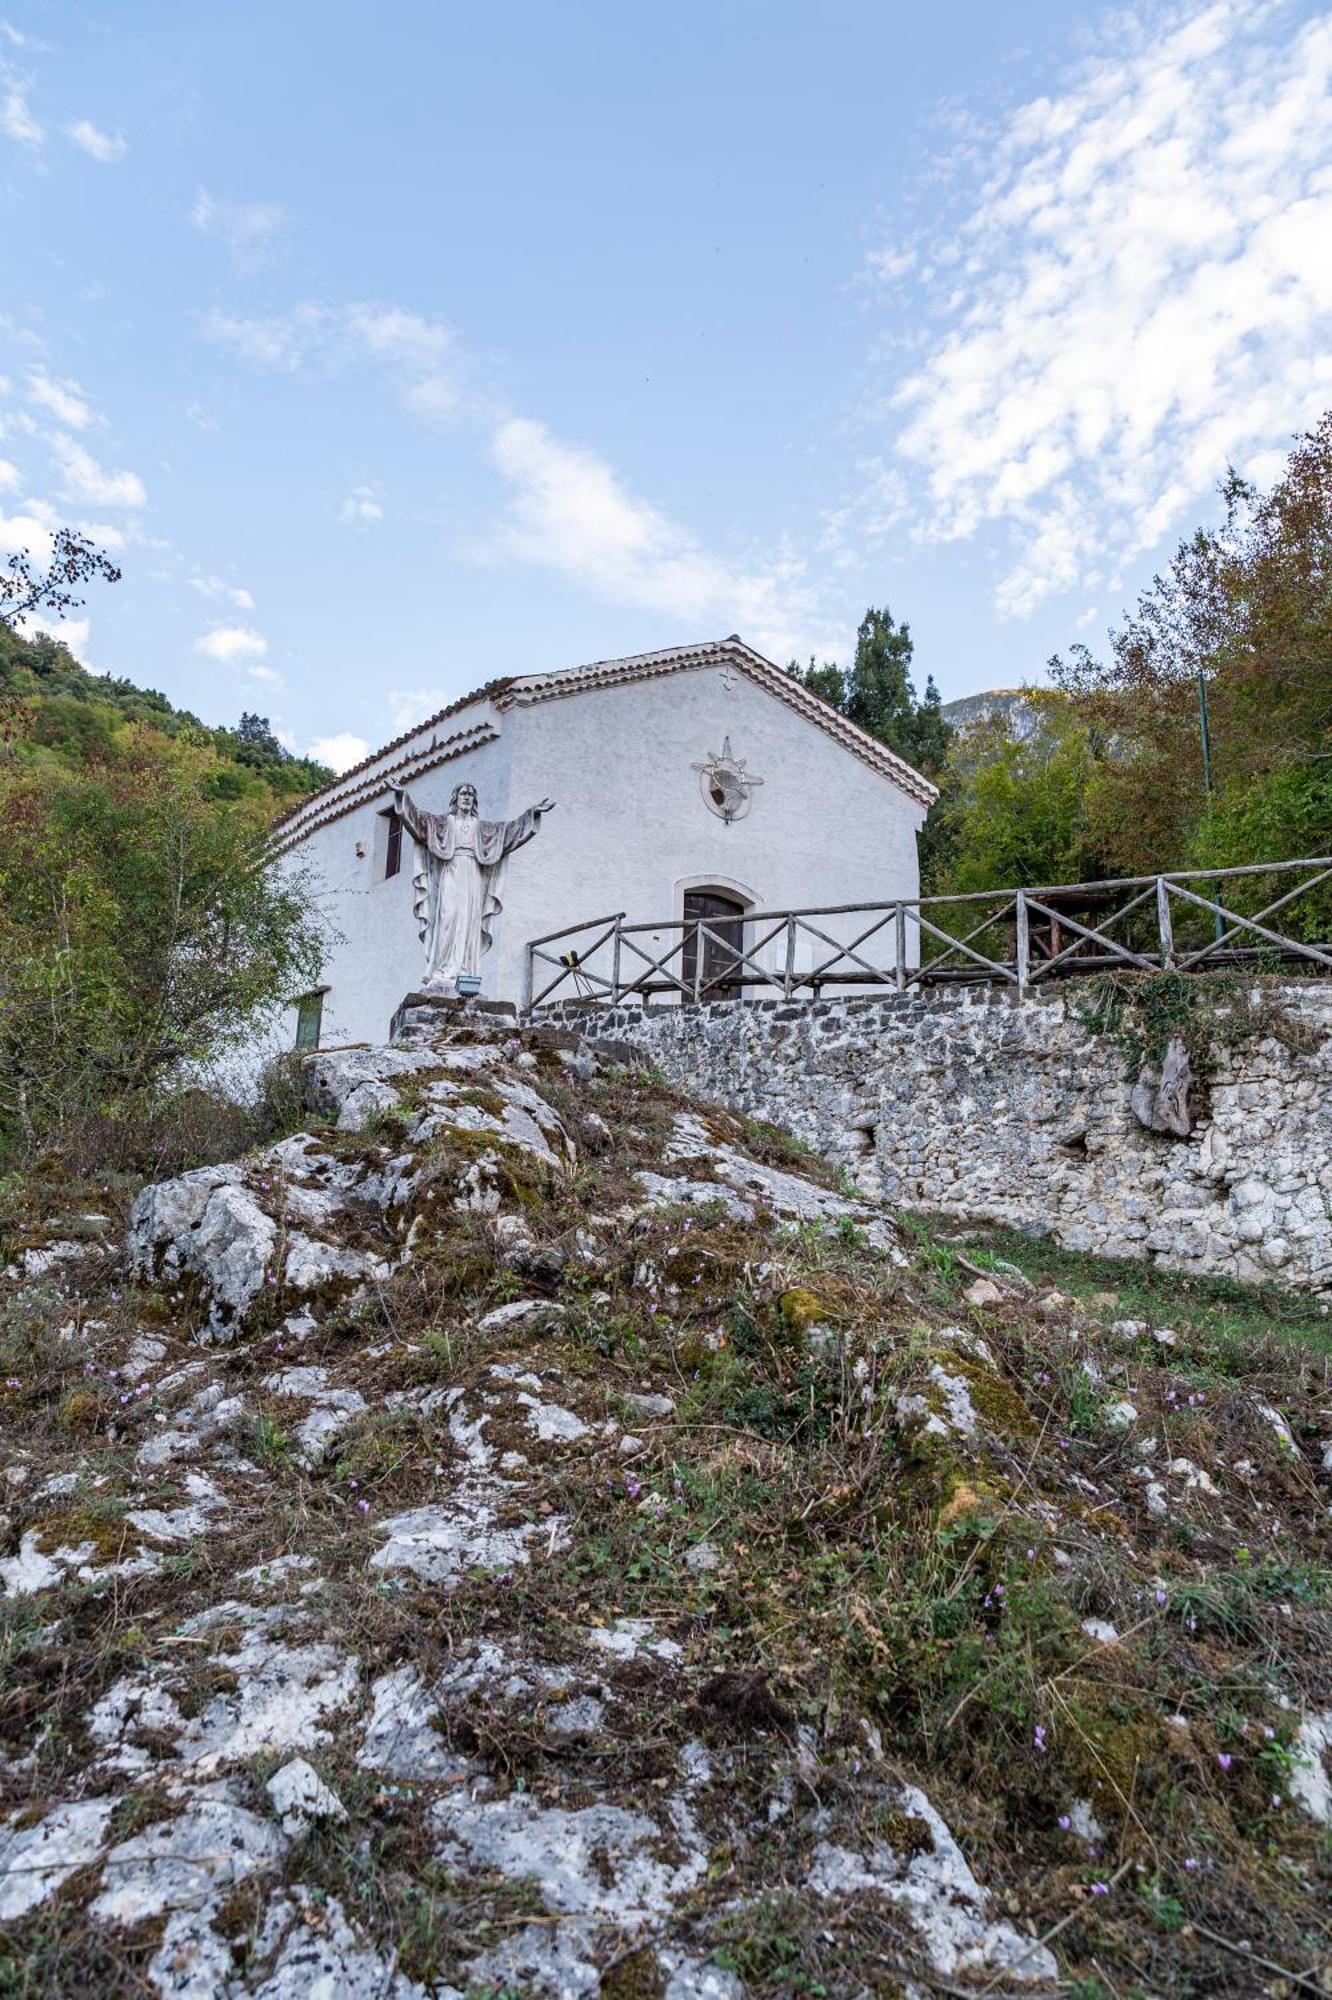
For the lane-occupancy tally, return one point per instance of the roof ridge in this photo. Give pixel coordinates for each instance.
(780, 682)
(486, 692)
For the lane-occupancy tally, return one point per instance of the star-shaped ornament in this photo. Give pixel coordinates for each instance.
(726, 785)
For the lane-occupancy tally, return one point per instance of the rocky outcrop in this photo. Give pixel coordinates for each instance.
(527, 1533)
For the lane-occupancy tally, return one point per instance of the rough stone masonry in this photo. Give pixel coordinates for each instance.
(961, 1102)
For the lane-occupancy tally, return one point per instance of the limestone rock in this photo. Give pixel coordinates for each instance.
(300, 1797)
(1160, 1099)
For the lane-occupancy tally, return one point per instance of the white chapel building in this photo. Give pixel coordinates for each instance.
(702, 781)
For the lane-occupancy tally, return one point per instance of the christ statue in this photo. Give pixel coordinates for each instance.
(459, 871)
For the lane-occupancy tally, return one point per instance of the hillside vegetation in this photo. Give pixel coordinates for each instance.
(526, 1534)
(144, 928)
(53, 709)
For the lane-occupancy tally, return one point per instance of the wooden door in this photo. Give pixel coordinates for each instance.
(722, 941)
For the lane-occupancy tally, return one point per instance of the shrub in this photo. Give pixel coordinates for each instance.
(145, 929)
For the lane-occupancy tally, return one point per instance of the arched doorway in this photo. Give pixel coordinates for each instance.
(714, 943)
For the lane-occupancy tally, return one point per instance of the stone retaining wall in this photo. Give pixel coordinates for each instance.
(962, 1102)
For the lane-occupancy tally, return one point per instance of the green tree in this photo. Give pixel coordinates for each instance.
(879, 695)
(828, 681)
(145, 929)
(1014, 804)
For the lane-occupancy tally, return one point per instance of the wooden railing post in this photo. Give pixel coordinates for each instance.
(615, 962)
(1164, 924)
(899, 947)
(529, 978)
(1023, 945)
(788, 974)
(698, 960)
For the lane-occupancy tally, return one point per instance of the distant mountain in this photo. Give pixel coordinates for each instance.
(69, 713)
(1007, 704)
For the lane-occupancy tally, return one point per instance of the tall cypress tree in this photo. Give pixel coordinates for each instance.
(879, 695)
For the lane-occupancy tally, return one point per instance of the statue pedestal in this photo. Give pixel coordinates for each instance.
(421, 1015)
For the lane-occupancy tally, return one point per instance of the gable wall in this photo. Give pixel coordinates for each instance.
(630, 830)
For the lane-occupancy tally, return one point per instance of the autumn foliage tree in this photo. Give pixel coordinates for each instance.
(1246, 609)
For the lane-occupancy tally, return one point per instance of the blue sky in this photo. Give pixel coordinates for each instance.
(395, 347)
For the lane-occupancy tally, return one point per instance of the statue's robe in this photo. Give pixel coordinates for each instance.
(456, 884)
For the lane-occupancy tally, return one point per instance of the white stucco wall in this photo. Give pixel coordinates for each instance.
(630, 830)
(375, 957)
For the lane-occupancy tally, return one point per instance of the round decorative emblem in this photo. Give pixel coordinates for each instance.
(727, 787)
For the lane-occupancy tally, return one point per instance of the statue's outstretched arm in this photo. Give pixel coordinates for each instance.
(409, 814)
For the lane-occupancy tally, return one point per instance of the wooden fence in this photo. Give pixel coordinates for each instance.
(1195, 921)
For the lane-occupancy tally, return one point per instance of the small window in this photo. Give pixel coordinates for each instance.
(309, 1020)
(392, 844)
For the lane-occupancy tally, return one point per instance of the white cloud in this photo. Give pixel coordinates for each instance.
(422, 357)
(64, 399)
(268, 675)
(1140, 292)
(408, 706)
(17, 122)
(102, 532)
(26, 531)
(340, 752)
(86, 480)
(71, 632)
(9, 475)
(284, 340)
(249, 229)
(363, 504)
(217, 586)
(569, 512)
(230, 643)
(106, 147)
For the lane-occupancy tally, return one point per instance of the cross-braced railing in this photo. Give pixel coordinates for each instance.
(1187, 921)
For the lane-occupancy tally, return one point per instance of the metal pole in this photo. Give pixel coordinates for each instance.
(1208, 787)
